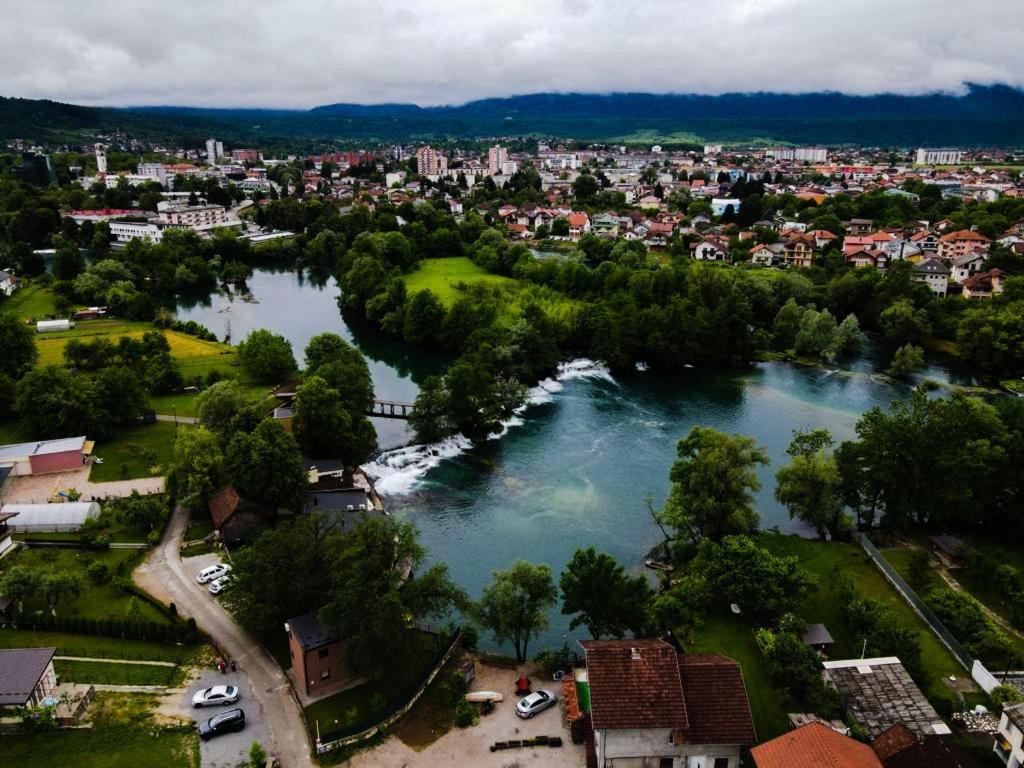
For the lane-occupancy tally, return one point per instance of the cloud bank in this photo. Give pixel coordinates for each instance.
(301, 53)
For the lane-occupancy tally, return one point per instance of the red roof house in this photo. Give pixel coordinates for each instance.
(814, 746)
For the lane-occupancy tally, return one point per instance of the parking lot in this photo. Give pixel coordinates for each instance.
(229, 750)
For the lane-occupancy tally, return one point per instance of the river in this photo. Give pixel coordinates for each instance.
(575, 466)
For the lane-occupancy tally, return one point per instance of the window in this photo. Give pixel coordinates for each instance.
(666, 762)
(721, 762)
(322, 653)
(325, 674)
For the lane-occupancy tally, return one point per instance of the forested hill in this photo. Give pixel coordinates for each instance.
(984, 116)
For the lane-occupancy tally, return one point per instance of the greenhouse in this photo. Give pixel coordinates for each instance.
(50, 518)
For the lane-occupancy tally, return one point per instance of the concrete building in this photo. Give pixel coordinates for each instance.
(155, 171)
(245, 156)
(799, 154)
(1009, 743)
(214, 149)
(953, 245)
(496, 157)
(44, 456)
(719, 204)
(192, 216)
(933, 156)
(934, 274)
(125, 231)
(430, 161)
(101, 160)
(316, 654)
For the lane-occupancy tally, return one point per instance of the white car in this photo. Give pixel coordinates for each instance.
(212, 572)
(219, 585)
(536, 702)
(218, 694)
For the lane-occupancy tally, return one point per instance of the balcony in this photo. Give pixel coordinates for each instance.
(1003, 749)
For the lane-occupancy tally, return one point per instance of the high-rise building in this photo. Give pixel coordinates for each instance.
(932, 156)
(214, 149)
(430, 162)
(799, 154)
(101, 159)
(497, 156)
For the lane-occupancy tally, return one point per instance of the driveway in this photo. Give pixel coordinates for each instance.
(37, 489)
(231, 749)
(471, 746)
(272, 701)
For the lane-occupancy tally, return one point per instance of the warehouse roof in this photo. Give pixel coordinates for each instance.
(41, 447)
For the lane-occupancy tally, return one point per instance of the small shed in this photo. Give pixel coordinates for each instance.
(948, 549)
(51, 518)
(818, 637)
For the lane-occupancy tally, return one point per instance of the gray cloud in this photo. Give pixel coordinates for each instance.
(300, 53)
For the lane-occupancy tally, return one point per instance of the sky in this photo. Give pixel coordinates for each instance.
(302, 53)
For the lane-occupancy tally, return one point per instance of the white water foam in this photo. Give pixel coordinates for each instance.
(397, 472)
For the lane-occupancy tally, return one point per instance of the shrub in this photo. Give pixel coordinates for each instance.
(1005, 694)
(465, 714)
(98, 573)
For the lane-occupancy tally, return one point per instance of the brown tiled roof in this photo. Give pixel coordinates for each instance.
(935, 752)
(814, 746)
(893, 740)
(628, 692)
(716, 699)
(223, 505)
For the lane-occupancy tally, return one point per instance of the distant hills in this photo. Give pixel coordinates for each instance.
(984, 116)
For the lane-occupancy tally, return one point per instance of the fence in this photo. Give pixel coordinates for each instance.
(917, 604)
(369, 733)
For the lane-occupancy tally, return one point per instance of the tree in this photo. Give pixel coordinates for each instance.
(424, 317)
(377, 593)
(817, 334)
(20, 582)
(52, 402)
(324, 429)
(266, 467)
(902, 324)
(118, 392)
(68, 261)
(585, 187)
(268, 355)
(712, 483)
(220, 405)
(431, 415)
(257, 754)
(905, 361)
(605, 600)
(849, 341)
(19, 347)
(59, 586)
(146, 512)
(809, 486)
(344, 368)
(198, 467)
(163, 374)
(514, 606)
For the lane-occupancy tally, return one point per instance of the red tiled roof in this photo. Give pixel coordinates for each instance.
(814, 746)
(627, 692)
(578, 219)
(964, 234)
(716, 698)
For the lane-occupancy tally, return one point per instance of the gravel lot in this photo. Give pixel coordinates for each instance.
(233, 748)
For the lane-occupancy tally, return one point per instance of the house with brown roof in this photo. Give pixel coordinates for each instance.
(956, 244)
(814, 746)
(652, 706)
(234, 517)
(984, 285)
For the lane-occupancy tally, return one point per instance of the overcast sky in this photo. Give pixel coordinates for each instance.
(301, 53)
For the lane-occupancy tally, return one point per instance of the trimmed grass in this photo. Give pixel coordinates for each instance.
(30, 302)
(96, 601)
(93, 646)
(186, 403)
(124, 735)
(106, 673)
(125, 458)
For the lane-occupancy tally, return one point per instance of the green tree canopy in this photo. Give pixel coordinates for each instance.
(265, 467)
(514, 605)
(809, 486)
(603, 598)
(268, 355)
(19, 347)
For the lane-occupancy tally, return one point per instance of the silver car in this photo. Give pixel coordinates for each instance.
(536, 702)
(215, 696)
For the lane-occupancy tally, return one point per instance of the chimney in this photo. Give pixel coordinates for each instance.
(635, 653)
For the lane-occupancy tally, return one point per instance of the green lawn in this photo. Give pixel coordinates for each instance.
(123, 735)
(127, 456)
(92, 646)
(29, 302)
(11, 431)
(443, 276)
(186, 403)
(96, 601)
(108, 673)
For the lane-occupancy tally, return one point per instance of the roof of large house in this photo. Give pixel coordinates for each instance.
(892, 741)
(42, 447)
(310, 633)
(963, 234)
(20, 670)
(982, 281)
(814, 746)
(968, 257)
(718, 710)
(879, 692)
(899, 748)
(634, 684)
(931, 267)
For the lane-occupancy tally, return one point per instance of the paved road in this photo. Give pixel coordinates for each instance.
(163, 575)
(177, 419)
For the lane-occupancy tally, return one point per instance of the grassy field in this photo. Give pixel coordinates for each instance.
(143, 450)
(443, 276)
(30, 302)
(124, 735)
(186, 403)
(70, 644)
(112, 673)
(96, 601)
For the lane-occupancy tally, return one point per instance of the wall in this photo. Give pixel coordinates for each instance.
(627, 748)
(56, 462)
(332, 664)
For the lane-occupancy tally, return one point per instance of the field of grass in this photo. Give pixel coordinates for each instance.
(142, 450)
(96, 601)
(111, 673)
(92, 646)
(124, 735)
(186, 403)
(443, 277)
(30, 302)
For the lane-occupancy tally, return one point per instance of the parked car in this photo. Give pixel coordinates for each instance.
(536, 702)
(215, 696)
(228, 721)
(219, 585)
(212, 572)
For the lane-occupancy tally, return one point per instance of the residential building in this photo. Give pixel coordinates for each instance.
(712, 149)
(45, 456)
(711, 248)
(101, 160)
(430, 161)
(105, 214)
(878, 693)
(867, 258)
(192, 216)
(497, 156)
(214, 149)
(932, 156)
(234, 517)
(815, 746)
(767, 255)
(984, 285)
(651, 706)
(934, 274)
(156, 171)
(245, 156)
(799, 154)
(798, 251)
(955, 244)
(6, 542)
(968, 264)
(124, 231)
(27, 678)
(316, 655)
(899, 748)
(1009, 743)
(579, 224)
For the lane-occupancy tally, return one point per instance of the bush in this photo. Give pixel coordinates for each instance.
(1002, 695)
(552, 661)
(98, 573)
(470, 637)
(465, 714)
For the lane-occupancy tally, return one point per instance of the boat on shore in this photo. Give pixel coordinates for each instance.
(657, 565)
(482, 696)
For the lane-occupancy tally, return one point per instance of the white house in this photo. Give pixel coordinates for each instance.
(653, 707)
(711, 249)
(1009, 744)
(967, 265)
(934, 274)
(719, 204)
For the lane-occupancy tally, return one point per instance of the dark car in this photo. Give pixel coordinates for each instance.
(228, 721)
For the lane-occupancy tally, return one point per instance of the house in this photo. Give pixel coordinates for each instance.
(8, 283)
(877, 693)
(934, 274)
(822, 238)
(859, 226)
(815, 746)
(968, 264)
(899, 748)
(711, 248)
(316, 654)
(925, 239)
(605, 222)
(6, 542)
(767, 255)
(866, 258)
(27, 678)
(650, 705)
(45, 456)
(579, 225)
(798, 251)
(234, 517)
(954, 244)
(345, 507)
(650, 203)
(984, 285)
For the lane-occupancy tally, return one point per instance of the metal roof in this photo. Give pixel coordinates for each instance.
(20, 670)
(41, 447)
